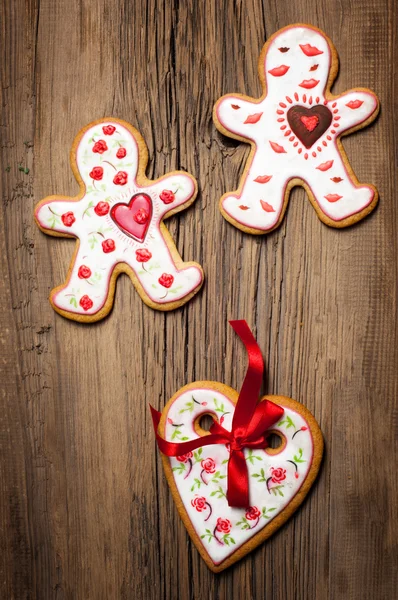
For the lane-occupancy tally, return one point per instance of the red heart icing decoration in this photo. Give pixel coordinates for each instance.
(308, 124)
(135, 217)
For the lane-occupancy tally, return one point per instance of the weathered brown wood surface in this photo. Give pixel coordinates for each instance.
(85, 511)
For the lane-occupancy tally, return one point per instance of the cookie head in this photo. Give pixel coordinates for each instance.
(107, 153)
(297, 60)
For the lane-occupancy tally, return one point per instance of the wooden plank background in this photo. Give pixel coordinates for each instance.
(85, 511)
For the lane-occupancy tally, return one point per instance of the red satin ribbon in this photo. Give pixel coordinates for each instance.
(249, 425)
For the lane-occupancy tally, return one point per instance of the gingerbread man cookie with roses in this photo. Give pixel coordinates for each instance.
(118, 221)
(294, 130)
(231, 488)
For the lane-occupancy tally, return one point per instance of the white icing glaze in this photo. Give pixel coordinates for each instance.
(92, 229)
(196, 483)
(294, 159)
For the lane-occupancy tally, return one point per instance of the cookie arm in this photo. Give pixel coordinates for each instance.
(353, 108)
(237, 115)
(58, 216)
(171, 192)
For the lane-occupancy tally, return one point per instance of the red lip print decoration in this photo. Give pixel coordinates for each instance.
(336, 179)
(325, 166)
(333, 197)
(308, 84)
(310, 50)
(128, 216)
(235, 106)
(314, 67)
(283, 49)
(279, 71)
(267, 207)
(251, 119)
(308, 124)
(354, 104)
(263, 178)
(277, 148)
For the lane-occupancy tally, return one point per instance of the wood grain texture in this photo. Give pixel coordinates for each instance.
(85, 511)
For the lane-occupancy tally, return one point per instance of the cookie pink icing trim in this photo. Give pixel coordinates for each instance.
(278, 149)
(107, 158)
(187, 470)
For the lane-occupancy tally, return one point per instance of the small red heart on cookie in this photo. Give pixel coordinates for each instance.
(134, 218)
(310, 122)
(279, 478)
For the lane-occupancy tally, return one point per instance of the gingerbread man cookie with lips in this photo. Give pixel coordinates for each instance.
(118, 222)
(294, 130)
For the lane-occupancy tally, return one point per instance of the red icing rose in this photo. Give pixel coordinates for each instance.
(143, 255)
(184, 457)
(100, 147)
(101, 209)
(108, 129)
(120, 178)
(167, 196)
(86, 303)
(68, 219)
(223, 525)
(97, 173)
(141, 216)
(278, 475)
(199, 503)
(121, 153)
(252, 513)
(108, 246)
(84, 272)
(208, 465)
(166, 280)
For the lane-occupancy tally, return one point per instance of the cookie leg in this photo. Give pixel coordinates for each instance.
(162, 274)
(259, 204)
(88, 284)
(337, 194)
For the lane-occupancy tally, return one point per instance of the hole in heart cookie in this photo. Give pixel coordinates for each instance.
(135, 217)
(203, 423)
(277, 442)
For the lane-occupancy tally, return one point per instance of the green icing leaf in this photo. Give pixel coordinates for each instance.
(298, 458)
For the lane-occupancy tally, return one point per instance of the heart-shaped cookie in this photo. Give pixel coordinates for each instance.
(135, 217)
(279, 478)
(308, 124)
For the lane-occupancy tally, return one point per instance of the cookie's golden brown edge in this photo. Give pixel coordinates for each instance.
(278, 521)
(142, 180)
(297, 182)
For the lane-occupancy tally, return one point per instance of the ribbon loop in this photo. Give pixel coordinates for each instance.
(249, 424)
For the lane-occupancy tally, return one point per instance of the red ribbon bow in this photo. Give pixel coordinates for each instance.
(249, 425)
